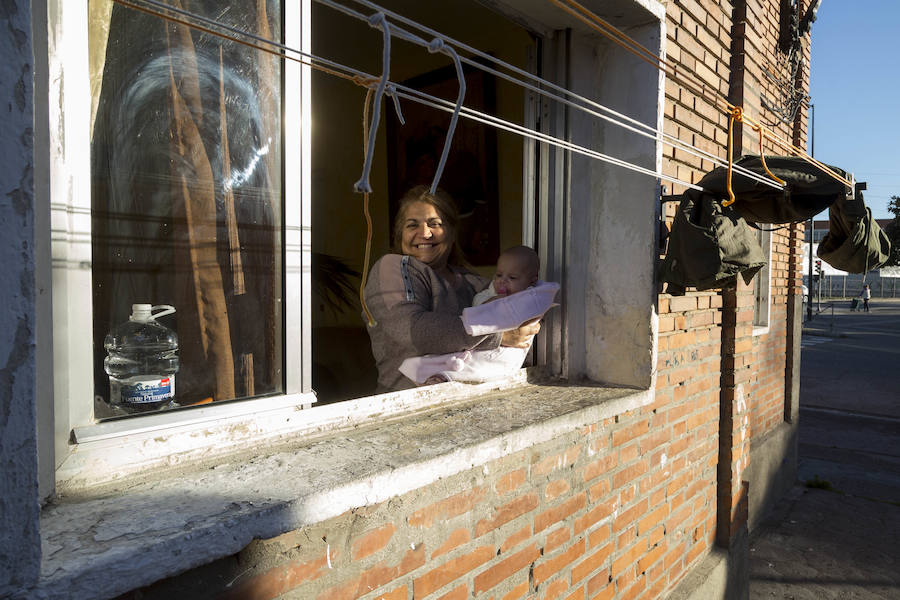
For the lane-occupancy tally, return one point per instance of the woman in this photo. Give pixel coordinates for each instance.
(417, 295)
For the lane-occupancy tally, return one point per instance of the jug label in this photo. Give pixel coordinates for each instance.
(145, 391)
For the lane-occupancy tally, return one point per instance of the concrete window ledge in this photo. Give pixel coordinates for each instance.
(119, 540)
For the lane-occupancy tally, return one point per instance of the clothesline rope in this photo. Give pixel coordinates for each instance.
(363, 79)
(599, 25)
(366, 80)
(635, 125)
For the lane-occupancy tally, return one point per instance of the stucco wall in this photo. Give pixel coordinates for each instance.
(19, 507)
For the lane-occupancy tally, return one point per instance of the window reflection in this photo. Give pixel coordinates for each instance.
(187, 194)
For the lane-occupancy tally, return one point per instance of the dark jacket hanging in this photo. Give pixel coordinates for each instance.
(854, 242)
(709, 246)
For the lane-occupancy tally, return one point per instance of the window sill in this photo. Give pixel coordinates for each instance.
(114, 542)
(760, 330)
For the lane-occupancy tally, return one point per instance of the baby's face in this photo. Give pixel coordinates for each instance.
(513, 275)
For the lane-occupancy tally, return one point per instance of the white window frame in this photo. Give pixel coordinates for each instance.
(70, 214)
(579, 345)
(762, 286)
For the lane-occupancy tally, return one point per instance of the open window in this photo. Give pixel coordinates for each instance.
(197, 172)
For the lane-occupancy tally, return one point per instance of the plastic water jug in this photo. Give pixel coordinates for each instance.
(142, 361)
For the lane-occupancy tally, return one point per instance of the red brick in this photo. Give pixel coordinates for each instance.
(401, 593)
(372, 541)
(412, 560)
(630, 473)
(595, 515)
(517, 592)
(447, 508)
(601, 587)
(628, 558)
(599, 536)
(634, 591)
(654, 518)
(506, 513)
(456, 539)
(510, 481)
(556, 514)
(506, 568)
(555, 589)
(556, 538)
(516, 539)
(551, 566)
(646, 561)
(591, 563)
(439, 577)
(599, 490)
(278, 580)
(557, 461)
(555, 489)
(459, 593)
(632, 431)
(599, 466)
(576, 595)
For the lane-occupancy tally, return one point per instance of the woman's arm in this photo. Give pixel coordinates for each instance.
(401, 298)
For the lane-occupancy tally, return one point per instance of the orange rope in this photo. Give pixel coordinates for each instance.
(762, 155)
(735, 113)
(368, 253)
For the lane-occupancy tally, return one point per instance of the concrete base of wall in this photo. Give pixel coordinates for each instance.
(772, 471)
(723, 575)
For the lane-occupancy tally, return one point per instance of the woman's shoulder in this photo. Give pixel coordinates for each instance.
(399, 261)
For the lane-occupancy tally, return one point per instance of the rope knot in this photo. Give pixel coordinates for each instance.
(377, 20)
(435, 45)
(737, 113)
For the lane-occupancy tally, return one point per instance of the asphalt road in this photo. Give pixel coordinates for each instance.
(837, 534)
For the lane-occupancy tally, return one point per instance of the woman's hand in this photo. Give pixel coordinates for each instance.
(521, 337)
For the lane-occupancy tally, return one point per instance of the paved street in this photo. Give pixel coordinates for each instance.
(837, 534)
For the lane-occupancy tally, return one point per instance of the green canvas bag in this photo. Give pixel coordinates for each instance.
(808, 189)
(855, 242)
(709, 246)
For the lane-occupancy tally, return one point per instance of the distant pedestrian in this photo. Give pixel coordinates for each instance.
(865, 294)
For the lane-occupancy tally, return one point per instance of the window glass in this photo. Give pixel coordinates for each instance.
(187, 198)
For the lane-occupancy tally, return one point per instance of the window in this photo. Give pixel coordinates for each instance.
(762, 285)
(181, 121)
(187, 199)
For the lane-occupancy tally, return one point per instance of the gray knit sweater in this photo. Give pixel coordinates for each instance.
(418, 312)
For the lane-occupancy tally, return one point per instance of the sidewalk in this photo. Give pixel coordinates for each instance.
(821, 544)
(836, 535)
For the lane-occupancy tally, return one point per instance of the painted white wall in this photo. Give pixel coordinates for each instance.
(615, 212)
(19, 507)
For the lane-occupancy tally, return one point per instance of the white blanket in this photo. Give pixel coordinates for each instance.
(510, 312)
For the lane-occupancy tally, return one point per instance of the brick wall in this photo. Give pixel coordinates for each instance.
(621, 509)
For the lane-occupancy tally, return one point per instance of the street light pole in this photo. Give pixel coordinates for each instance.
(812, 222)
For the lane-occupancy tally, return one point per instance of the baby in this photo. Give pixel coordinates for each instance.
(517, 270)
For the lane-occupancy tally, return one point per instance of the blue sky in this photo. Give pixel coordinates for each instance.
(855, 87)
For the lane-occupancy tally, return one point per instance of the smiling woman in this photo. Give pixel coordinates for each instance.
(417, 296)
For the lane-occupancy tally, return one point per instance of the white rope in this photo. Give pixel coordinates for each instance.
(437, 45)
(378, 21)
(427, 99)
(486, 119)
(635, 125)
